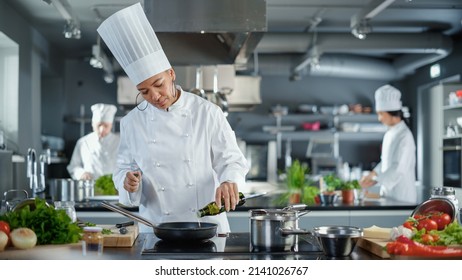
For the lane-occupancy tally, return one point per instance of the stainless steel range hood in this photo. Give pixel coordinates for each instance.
(208, 32)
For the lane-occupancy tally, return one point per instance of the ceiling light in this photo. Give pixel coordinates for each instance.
(108, 77)
(71, 30)
(361, 29)
(99, 60)
(72, 26)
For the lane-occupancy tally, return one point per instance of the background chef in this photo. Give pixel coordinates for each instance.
(396, 171)
(179, 144)
(95, 153)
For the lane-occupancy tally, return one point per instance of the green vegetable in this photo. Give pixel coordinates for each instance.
(105, 186)
(451, 235)
(335, 183)
(104, 231)
(296, 175)
(50, 225)
(332, 182)
(309, 195)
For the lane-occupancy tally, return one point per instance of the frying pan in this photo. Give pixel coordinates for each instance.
(174, 231)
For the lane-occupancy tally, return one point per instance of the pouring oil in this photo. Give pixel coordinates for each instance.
(212, 208)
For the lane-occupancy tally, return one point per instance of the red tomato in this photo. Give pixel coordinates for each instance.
(409, 225)
(427, 224)
(419, 217)
(445, 219)
(5, 227)
(427, 238)
(442, 219)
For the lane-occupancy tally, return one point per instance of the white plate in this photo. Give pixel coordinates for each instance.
(104, 197)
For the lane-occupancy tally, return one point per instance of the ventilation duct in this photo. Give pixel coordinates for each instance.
(411, 51)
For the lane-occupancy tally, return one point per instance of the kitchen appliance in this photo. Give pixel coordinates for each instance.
(452, 162)
(234, 244)
(174, 231)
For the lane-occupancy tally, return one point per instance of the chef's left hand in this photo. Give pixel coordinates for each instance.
(228, 192)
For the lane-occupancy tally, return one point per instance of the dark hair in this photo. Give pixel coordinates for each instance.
(399, 113)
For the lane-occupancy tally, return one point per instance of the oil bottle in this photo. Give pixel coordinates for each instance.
(212, 209)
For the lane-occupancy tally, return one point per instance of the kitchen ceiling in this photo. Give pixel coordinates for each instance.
(281, 37)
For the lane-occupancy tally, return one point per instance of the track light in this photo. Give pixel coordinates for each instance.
(99, 60)
(361, 29)
(71, 30)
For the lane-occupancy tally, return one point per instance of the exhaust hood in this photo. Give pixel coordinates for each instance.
(242, 92)
(208, 31)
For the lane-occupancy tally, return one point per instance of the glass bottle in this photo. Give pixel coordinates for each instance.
(212, 209)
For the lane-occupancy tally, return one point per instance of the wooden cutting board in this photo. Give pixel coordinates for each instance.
(375, 246)
(116, 239)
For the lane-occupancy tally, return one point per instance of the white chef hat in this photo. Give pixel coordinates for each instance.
(132, 41)
(387, 99)
(103, 113)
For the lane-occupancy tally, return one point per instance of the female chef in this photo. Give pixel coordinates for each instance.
(396, 171)
(177, 151)
(95, 153)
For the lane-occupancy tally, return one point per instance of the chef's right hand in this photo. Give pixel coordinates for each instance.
(86, 176)
(368, 180)
(132, 181)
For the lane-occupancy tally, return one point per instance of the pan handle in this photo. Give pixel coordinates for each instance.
(126, 213)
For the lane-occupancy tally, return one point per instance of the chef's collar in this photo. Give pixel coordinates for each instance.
(180, 101)
(397, 126)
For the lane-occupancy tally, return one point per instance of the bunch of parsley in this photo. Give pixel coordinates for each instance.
(50, 225)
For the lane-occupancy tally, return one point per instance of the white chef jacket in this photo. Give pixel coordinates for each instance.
(94, 155)
(184, 154)
(396, 170)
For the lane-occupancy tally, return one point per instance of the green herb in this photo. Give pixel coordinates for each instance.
(105, 186)
(50, 225)
(296, 175)
(90, 224)
(309, 194)
(335, 183)
(106, 231)
(350, 185)
(332, 182)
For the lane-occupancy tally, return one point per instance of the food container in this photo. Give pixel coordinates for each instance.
(92, 241)
(436, 205)
(337, 241)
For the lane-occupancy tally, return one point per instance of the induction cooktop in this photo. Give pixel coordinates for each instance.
(232, 244)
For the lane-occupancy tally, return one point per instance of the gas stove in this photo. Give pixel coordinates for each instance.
(232, 244)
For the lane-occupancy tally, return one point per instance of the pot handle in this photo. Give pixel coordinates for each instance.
(296, 207)
(290, 231)
(307, 235)
(126, 213)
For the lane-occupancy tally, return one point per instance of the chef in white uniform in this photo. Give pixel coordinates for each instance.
(396, 171)
(95, 153)
(180, 145)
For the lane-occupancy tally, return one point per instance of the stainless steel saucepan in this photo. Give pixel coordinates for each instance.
(277, 229)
